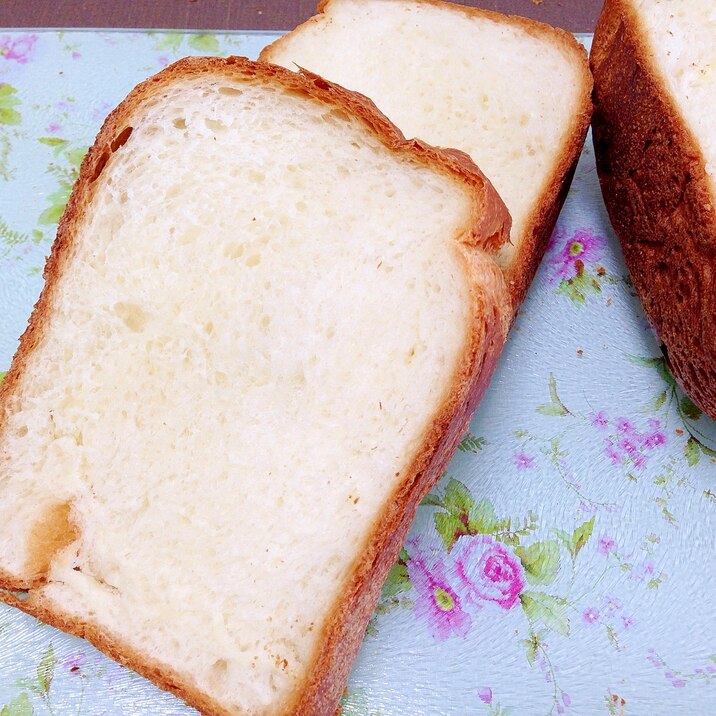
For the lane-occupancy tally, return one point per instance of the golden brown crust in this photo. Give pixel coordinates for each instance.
(539, 226)
(159, 674)
(523, 267)
(343, 633)
(343, 630)
(659, 198)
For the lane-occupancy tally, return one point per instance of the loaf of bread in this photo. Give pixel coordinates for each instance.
(512, 93)
(266, 321)
(655, 144)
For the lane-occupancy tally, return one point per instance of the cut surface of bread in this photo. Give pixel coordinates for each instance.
(266, 320)
(512, 93)
(655, 144)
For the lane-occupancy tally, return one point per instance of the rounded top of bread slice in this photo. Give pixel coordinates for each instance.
(512, 93)
(266, 315)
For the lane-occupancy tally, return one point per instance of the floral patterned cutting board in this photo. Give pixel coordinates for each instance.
(563, 565)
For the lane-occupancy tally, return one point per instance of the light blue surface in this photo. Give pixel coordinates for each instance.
(602, 587)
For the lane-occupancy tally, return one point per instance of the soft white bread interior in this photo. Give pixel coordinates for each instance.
(266, 320)
(654, 65)
(512, 93)
(681, 36)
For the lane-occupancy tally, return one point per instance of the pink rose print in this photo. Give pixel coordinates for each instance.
(485, 695)
(599, 420)
(488, 571)
(583, 247)
(17, 49)
(437, 603)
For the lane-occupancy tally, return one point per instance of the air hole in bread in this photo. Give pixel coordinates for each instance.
(121, 139)
(132, 315)
(53, 531)
(179, 123)
(335, 117)
(230, 91)
(99, 165)
(219, 671)
(215, 124)
(233, 250)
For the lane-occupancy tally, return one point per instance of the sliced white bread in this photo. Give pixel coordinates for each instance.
(512, 93)
(267, 318)
(654, 66)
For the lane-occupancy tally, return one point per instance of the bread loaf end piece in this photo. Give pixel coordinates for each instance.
(655, 145)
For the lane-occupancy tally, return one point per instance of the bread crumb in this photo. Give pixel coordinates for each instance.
(580, 352)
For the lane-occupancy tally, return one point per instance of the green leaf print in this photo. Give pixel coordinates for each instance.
(581, 536)
(58, 200)
(693, 453)
(457, 499)
(398, 580)
(577, 289)
(540, 560)
(355, 703)
(470, 443)
(171, 41)
(659, 364)
(8, 101)
(75, 157)
(556, 407)
(690, 409)
(19, 706)
(462, 516)
(205, 43)
(67, 175)
(56, 142)
(9, 237)
(532, 648)
(544, 608)
(665, 373)
(483, 520)
(46, 669)
(450, 528)
(659, 401)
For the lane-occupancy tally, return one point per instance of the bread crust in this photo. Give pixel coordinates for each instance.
(660, 202)
(343, 629)
(543, 217)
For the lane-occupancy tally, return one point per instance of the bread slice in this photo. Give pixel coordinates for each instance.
(512, 93)
(655, 143)
(266, 321)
